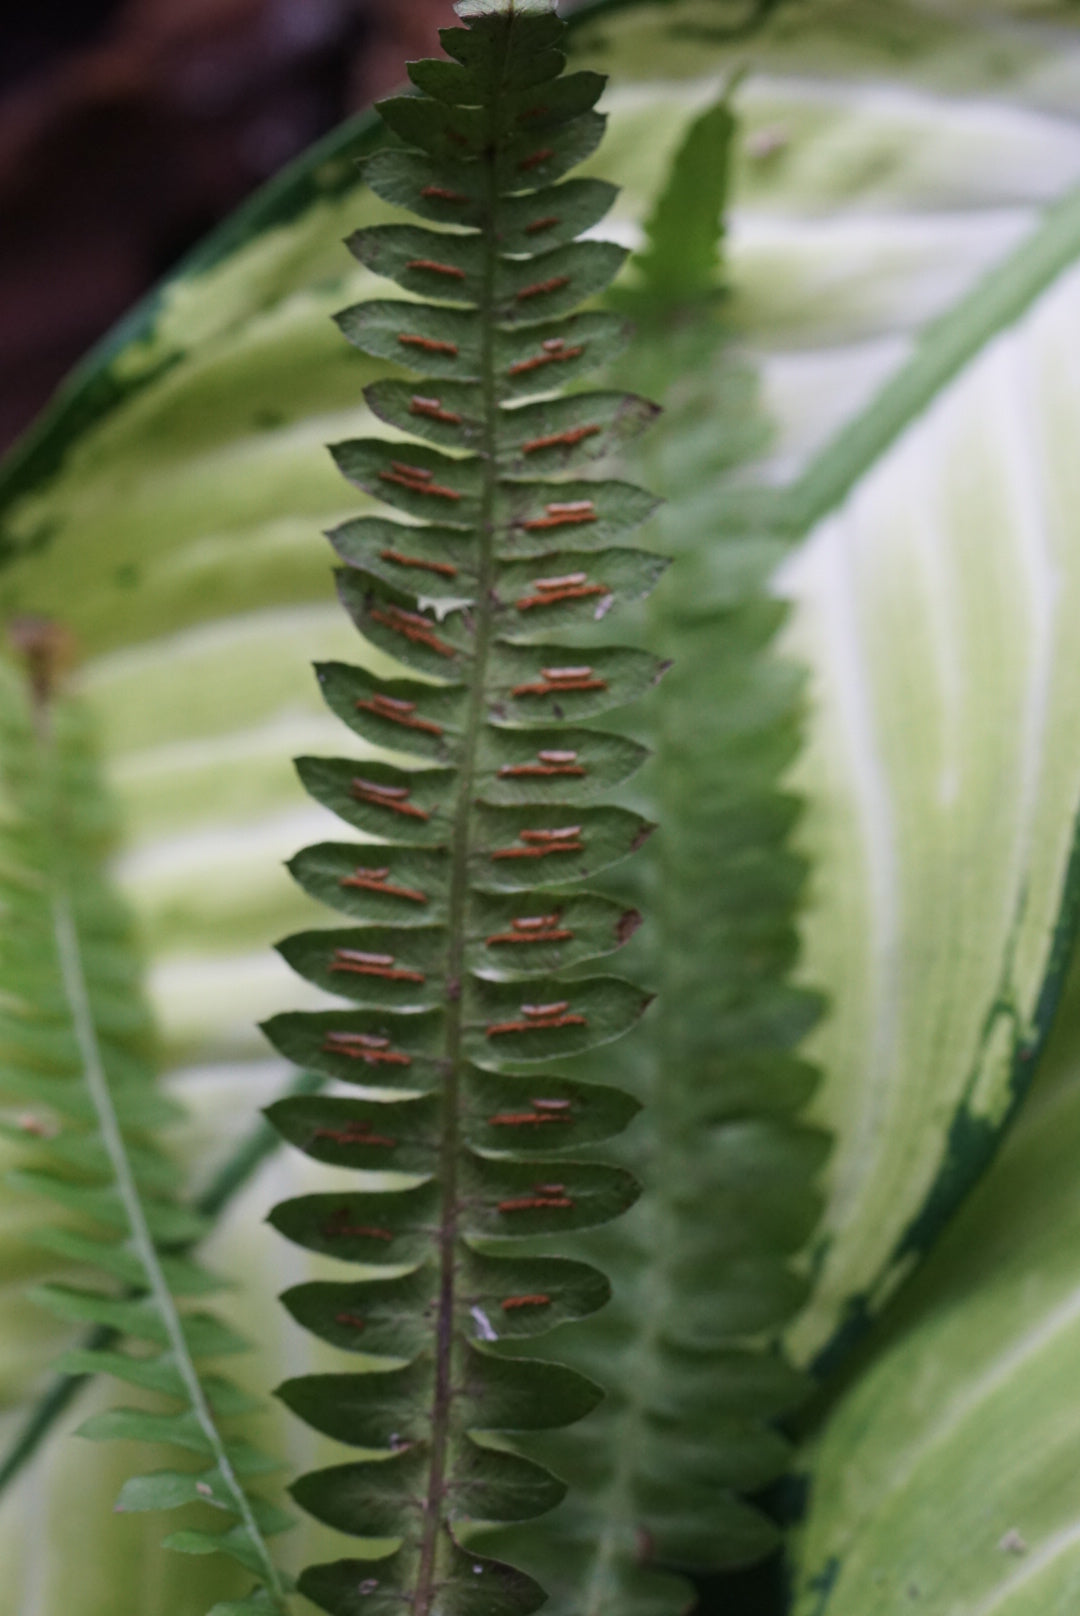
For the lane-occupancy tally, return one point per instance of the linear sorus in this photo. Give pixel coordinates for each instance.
(539, 1018)
(428, 344)
(399, 712)
(356, 1133)
(524, 1119)
(542, 843)
(339, 1226)
(412, 627)
(535, 158)
(531, 1203)
(440, 193)
(521, 367)
(445, 569)
(554, 681)
(548, 222)
(351, 1321)
(549, 591)
(552, 1105)
(433, 410)
(559, 934)
(361, 964)
(363, 1047)
(508, 1303)
(561, 440)
(392, 797)
(434, 267)
(375, 881)
(546, 766)
(416, 486)
(533, 929)
(569, 513)
(419, 474)
(538, 288)
(538, 852)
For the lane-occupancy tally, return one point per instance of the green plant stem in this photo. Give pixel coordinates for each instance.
(54, 1402)
(450, 1144)
(76, 992)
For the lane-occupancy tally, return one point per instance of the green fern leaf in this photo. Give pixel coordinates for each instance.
(76, 1058)
(455, 969)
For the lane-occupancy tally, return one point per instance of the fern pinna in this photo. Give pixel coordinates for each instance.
(76, 1084)
(454, 970)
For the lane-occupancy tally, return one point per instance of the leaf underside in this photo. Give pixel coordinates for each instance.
(466, 913)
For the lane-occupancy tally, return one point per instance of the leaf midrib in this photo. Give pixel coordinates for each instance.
(451, 1144)
(76, 992)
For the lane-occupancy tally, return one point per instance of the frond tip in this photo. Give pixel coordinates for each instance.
(466, 914)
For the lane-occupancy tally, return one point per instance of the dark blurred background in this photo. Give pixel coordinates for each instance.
(129, 127)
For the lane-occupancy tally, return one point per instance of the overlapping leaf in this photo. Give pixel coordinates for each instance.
(946, 1476)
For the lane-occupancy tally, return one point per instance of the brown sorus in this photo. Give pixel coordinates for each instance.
(375, 881)
(538, 288)
(429, 344)
(445, 569)
(441, 193)
(398, 713)
(416, 486)
(521, 367)
(535, 158)
(432, 409)
(556, 440)
(412, 627)
(436, 268)
(392, 797)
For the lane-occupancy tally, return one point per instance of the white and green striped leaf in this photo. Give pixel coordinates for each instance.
(945, 1478)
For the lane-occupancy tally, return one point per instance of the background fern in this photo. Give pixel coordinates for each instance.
(702, 1268)
(77, 1079)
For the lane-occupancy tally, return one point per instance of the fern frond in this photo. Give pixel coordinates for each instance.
(702, 1269)
(232, 1176)
(78, 1078)
(464, 926)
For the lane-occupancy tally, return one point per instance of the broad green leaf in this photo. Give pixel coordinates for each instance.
(946, 1476)
(946, 887)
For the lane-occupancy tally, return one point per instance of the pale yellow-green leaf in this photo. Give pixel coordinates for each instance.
(946, 1479)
